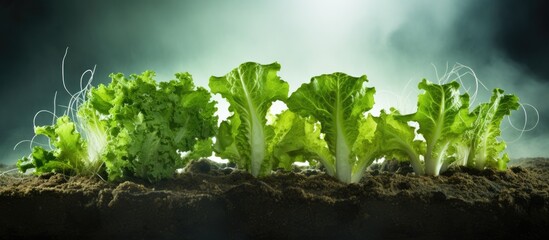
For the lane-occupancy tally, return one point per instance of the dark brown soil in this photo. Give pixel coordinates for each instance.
(213, 203)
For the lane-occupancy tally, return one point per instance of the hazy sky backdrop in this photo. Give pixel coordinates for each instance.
(395, 43)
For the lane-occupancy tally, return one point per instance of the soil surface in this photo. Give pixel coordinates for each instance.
(210, 202)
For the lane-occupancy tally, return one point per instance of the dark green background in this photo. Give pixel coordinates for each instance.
(396, 43)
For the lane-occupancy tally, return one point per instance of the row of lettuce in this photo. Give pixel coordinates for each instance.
(136, 127)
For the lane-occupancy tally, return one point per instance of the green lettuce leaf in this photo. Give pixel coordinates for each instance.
(69, 151)
(397, 140)
(338, 101)
(150, 123)
(297, 139)
(439, 107)
(479, 146)
(202, 149)
(367, 147)
(250, 90)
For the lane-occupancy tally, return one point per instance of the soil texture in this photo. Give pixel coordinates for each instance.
(213, 202)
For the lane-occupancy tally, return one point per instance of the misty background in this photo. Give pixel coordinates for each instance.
(395, 43)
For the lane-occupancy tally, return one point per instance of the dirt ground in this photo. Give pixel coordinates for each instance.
(209, 202)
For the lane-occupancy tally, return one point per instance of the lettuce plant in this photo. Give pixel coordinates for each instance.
(452, 134)
(478, 146)
(438, 109)
(338, 102)
(137, 127)
(149, 124)
(244, 138)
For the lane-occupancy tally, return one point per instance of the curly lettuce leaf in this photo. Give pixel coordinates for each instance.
(202, 149)
(69, 151)
(250, 90)
(149, 123)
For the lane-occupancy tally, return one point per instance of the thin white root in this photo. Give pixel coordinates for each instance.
(71, 109)
(525, 127)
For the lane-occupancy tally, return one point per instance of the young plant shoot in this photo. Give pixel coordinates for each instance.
(338, 102)
(244, 137)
